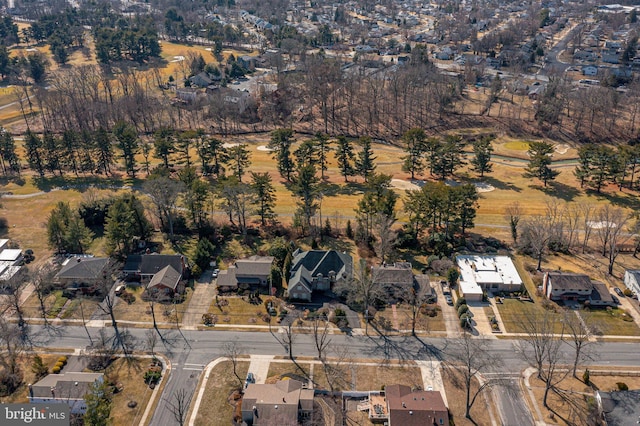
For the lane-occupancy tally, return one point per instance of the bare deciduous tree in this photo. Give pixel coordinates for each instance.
(179, 405)
(232, 351)
(611, 226)
(579, 335)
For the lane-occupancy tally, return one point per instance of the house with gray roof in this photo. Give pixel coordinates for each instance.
(317, 270)
(65, 388)
(82, 270)
(145, 266)
(165, 284)
(396, 278)
(286, 402)
(563, 286)
(246, 273)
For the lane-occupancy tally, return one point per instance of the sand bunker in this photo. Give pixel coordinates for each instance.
(229, 145)
(484, 187)
(562, 148)
(403, 184)
(264, 148)
(178, 59)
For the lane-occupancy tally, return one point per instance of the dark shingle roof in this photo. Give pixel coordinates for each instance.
(87, 268)
(418, 408)
(254, 265)
(400, 273)
(167, 277)
(277, 404)
(67, 385)
(601, 292)
(563, 280)
(149, 264)
(322, 262)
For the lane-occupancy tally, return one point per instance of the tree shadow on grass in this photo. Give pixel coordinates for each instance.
(621, 199)
(81, 184)
(349, 188)
(557, 190)
(498, 184)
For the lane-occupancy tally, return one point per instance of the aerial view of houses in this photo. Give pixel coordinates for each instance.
(298, 212)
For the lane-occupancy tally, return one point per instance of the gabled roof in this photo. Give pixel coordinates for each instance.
(82, 268)
(600, 292)
(397, 273)
(322, 262)
(72, 385)
(277, 403)
(565, 280)
(167, 277)
(150, 264)
(417, 408)
(254, 265)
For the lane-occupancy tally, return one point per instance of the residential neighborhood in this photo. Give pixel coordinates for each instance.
(291, 212)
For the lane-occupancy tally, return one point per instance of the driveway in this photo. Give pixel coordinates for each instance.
(203, 294)
(449, 313)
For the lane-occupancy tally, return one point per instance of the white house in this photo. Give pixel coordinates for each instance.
(632, 280)
(480, 273)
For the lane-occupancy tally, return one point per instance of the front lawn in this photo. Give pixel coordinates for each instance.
(512, 311)
(140, 310)
(613, 322)
(215, 409)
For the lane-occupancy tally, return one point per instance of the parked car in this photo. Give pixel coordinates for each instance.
(615, 299)
(119, 290)
(215, 273)
(618, 291)
(449, 300)
(250, 380)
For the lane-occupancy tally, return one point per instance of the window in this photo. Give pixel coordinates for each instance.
(441, 421)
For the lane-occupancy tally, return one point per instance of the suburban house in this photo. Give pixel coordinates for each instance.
(284, 403)
(485, 273)
(395, 278)
(165, 284)
(317, 270)
(145, 266)
(398, 405)
(65, 388)
(632, 280)
(10, 265)
(590, 70)
(621, 408)
(81, 270)
(562, 286)
(253, 271)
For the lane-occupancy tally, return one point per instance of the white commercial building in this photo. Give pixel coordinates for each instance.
(480, 273)
(632, 280)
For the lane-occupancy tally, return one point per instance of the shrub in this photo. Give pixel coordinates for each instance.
(9, 383)
(55, 370)
(463, 309)
(627, 292)
(63, 360)
(209, 319)
(152, 377)
(622, 386)
(585, 377)
(59, 365)
(460, 301)
(464, 321)
(128, 297)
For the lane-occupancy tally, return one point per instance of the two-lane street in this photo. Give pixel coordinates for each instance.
(201, 347)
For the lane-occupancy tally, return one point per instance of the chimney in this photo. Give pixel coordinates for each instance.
(404, 405)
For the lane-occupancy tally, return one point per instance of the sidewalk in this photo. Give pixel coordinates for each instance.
(431, 377)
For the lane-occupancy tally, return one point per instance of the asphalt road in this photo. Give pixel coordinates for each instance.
(189, 351)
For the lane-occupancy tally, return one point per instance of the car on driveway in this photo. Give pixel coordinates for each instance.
(215, 273)
(618, 291)
(615, 299)
(449, 300)
(251, 379)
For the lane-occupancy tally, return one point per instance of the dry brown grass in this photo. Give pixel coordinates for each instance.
(238, 311)
(215, 409)
(131, 374)
(571, 401)
(21, 395)
(141, 310)
(455, 392)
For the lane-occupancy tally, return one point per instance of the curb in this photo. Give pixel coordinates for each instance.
(203, 385)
